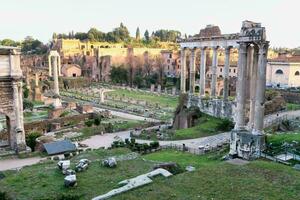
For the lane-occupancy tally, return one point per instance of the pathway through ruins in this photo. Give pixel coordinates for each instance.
(105, 140)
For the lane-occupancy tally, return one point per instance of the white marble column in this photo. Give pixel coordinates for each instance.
(202, 71)
(183, 71)
(226, 73)
(241, 86)
(260, 89)
(253, 75)
(192, 71)
(59, 65)
(214, 72)
(16, 104)
(55, 75)
(50, 67)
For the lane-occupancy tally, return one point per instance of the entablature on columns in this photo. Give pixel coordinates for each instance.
(209, 44)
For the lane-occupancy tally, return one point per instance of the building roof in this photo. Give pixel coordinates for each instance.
(68, 66)
(286, 59)
(59, 147)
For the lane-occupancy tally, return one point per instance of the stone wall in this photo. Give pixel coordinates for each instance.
(45, 125)
(290, 97)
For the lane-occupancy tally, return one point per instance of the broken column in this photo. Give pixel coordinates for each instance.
(37, 93)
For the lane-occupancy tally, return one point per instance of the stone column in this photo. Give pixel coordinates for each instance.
(59, 66)
(55, 75)
(183, 71)
(202, 71)
(214, 72)
(260, 89)
(253, 77)
(16, 104)
(50, 67)
(192, 71)
(36, 80)
(241, 86)
(20, 97)
(226, 73)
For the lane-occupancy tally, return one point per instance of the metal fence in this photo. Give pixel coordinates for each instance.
(196, 151)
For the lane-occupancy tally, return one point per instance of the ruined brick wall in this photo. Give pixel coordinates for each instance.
(6, 97)
(45, 125)
(291, 97)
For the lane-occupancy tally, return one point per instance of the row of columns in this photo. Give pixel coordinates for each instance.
(251, 84)
(202, 71)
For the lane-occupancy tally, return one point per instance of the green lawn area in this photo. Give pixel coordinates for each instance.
(161, 100)
(293, 106)
(276, 141)
(206, 126)
(213, 179)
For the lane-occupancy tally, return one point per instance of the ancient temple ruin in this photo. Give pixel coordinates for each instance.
(247, 139)
(54, 61)
(11, 98)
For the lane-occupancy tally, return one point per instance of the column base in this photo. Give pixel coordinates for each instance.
(245, 145)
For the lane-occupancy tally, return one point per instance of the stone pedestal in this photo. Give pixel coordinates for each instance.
(152, 88)
(159, 88)
(173, 91)
(245, 145)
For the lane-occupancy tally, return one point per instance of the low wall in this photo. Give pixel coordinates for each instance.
(213, 107)
(45, 125)
(290, 97)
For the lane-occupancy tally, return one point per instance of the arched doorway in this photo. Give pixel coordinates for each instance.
(4, 131)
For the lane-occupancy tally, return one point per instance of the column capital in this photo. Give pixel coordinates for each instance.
(263, 47)
(215, 48)
(243, 48)
(203, 48)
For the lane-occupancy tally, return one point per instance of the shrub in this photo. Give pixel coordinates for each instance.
(109, 128)
(132, 140)
(3, 196)
(127, 141)
(225, 125)
(67, 155)
(88, 123)
(31, 139)
(154, 145)
(97, 121)
(27, 104)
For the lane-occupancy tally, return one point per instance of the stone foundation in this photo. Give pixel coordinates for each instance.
(246, 145)
(55, 113)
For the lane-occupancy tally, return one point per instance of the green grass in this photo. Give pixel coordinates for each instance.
(207, 126)
(292, 106)
(184, 159)
(278, 139)
(163, 101)
(213, 179)
(257, 180)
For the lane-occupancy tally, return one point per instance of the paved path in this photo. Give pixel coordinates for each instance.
(16, 163)
(105, 140)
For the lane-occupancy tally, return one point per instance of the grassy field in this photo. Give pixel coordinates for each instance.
(292, 106)
(162, 100)
(213, 179)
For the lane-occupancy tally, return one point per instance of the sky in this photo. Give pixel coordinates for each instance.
(40, 18)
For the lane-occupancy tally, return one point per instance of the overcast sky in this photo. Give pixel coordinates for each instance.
(40, 18)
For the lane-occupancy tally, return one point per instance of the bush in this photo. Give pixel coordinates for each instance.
(225, 125)
(154, 145)
(88, 123)
(3, 196)
(132, 140)
(97, 121)
(31, 139)
(27, 104)
(109, 128)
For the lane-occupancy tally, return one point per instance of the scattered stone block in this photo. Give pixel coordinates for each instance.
(110, 162)
(190, 168)
(70, 181)
(82, 165)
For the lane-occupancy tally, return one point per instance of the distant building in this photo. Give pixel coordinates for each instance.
(284, 71)
(71, 70)
(171, 61)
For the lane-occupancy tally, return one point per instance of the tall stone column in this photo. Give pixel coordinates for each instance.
(241, 86)
(260, 89)
(192, 71)
(16, 105)
(253, 77)
(214, 72)
(202, 71)
(55, 75)
(183, 71)
(50, 67)
(59, 66)
(226, 73)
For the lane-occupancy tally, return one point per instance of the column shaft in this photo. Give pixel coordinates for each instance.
(55, 76)
(260, 89)
(253, 77)
(214, 72)
(192, 71)
(183, 71)
(226, 73)
(202, 71)
(241, 86)
(59, 66)
(50, 67)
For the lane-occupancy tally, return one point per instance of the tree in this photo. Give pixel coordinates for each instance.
(9, 42)
(119, 74)
(137, 34)
(33, 46)
(146, 35)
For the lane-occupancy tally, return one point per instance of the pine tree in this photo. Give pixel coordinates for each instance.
(146, 35)
(137, 34)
